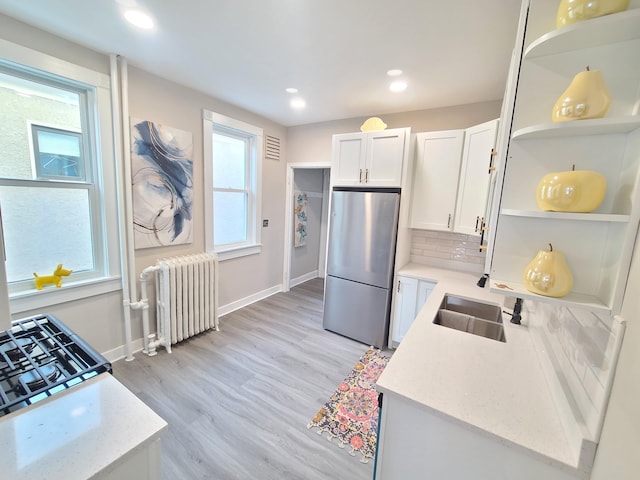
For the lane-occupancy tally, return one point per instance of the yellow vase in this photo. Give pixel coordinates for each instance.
(548, 274)
(579, 191)
(586, 97)
(571, 11)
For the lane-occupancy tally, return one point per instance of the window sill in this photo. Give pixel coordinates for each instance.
(37, 299)
(238, 252)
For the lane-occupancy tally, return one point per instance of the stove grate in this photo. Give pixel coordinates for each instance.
(39, 357)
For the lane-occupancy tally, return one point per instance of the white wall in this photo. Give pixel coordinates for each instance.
(156, 99)
(312, 143)
(618, 455)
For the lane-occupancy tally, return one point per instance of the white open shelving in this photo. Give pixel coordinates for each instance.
(597, 245)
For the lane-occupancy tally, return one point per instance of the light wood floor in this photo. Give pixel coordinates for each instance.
(238, 401)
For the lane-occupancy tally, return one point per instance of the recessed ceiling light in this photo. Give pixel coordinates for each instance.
(139, 19)
(394, 73)
(298, 103)
(398, 86)
(291, 90)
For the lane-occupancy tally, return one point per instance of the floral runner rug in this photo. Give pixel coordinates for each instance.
(351, 413)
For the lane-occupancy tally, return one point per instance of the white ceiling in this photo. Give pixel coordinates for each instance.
(336, 52)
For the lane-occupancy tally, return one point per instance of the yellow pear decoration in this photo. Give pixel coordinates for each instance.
(586, 97)
(373, 124)
(579, 191)
(548, 274)
(571, 11)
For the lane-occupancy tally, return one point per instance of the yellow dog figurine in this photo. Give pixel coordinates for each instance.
(55, 279)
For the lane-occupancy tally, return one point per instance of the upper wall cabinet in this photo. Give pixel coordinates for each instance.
(435, 179)
(372, 159)
(597, 245)
(475, 178)
(452, 178)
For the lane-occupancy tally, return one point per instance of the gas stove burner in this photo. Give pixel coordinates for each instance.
(40, 357)
(11, 350)
(34, 381)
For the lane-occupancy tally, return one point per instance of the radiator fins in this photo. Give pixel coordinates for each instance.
(187, 297)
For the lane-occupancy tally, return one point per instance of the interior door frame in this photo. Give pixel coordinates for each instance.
(288, 230)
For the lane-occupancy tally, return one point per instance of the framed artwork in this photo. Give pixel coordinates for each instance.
(300, 218)
(162, 184)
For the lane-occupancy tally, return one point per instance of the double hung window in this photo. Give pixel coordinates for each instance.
(233, 154)
(56, 174)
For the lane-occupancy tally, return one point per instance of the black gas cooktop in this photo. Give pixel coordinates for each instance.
(39, 357)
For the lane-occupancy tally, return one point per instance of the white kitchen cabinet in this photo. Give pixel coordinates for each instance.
(372, 159)
(435, 179)
(452, 178)
(142, 464)
(416, 443)
(597, 245)
(475, 178)
(411, 294)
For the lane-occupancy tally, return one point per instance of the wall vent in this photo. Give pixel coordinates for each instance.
(272, 148)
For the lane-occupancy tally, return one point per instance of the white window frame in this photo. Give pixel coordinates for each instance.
(252, 246)
(34, 149)
(106, 277)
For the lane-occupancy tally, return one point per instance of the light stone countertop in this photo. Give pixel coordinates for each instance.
(77, 433)
(498, 389)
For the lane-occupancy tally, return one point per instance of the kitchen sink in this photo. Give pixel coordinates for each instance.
(472, 317)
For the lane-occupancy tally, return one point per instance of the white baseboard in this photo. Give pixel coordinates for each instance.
(137, 345)
(243, 302)
(303, 278)
(118, 353)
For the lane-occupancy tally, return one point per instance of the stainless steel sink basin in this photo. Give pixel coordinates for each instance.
(472, 317)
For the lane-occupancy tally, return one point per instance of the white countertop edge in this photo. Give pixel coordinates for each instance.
(572, 457)
(77, 433)
(585, 474)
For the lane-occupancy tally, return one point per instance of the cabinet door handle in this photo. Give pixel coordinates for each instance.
(491, 155)
(398, 286)
(360, 178)
(477, 221)
(449, 222)
(482, 230)
(366, 175)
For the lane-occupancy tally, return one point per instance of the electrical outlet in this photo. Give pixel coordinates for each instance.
(265, 223)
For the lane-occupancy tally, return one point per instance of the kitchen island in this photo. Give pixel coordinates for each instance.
(97, 430)
(458, 405)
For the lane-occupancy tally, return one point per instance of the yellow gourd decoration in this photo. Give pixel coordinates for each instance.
(578, 191)
(586, 97)
(571, 11)
(548, 274)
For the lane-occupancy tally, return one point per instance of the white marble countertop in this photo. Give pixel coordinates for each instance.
(497, 388)
(77, 433)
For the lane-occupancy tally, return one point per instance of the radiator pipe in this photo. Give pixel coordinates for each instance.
(123, 213)
(150, 342)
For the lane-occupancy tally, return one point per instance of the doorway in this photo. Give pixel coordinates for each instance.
(307, 217)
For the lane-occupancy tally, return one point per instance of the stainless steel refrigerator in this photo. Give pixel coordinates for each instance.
(362, 244)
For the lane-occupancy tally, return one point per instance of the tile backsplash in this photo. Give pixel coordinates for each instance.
(448, 250)
(582, 347)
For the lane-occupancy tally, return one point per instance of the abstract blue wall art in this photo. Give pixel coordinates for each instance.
(162, 183)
